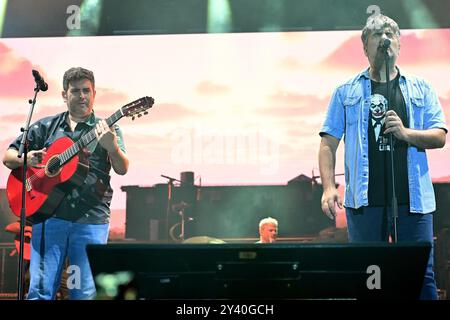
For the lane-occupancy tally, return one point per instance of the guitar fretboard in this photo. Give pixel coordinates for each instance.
(86, 139)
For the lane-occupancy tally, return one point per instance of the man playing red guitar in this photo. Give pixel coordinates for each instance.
(81, 215)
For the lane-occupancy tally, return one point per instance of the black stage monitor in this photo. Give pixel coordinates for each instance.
(265, 271)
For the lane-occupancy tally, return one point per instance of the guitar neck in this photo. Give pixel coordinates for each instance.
(87, 138)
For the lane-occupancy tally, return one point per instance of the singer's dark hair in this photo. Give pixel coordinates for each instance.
(378, 22)
(76, 74)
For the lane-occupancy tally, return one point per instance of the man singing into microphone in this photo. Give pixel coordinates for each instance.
(358, 109)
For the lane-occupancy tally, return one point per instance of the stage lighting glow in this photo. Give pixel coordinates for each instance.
(90, 12)
(220, 17)
(3, 5)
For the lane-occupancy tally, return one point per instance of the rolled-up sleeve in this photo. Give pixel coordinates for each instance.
(120, 140)
(433, 113)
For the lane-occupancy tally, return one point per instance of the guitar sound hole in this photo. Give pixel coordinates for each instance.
(53, 166)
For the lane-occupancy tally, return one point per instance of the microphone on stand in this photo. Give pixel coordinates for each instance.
(41, 84)
(385, 43)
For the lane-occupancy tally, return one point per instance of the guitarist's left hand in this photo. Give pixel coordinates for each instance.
(106, 136)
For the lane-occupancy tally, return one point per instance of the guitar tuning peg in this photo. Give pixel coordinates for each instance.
(145, 112)
(132, 118)
(139, 115)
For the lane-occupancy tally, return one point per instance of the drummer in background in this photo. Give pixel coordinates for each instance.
(268, 230)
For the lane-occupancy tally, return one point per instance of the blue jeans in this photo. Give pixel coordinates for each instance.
(373, 224)
(52, 241)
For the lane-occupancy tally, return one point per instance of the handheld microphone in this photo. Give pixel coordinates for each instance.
(385, 43)
(41, 84)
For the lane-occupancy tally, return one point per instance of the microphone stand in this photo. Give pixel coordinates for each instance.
(394, 204)
(182, 223)
(169, 203)
(23, 150)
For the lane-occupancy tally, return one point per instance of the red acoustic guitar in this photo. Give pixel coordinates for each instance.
(62, 169)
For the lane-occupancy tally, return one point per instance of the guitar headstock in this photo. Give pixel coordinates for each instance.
(137, 107)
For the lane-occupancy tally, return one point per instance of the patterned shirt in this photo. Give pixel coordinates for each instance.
(90, 202)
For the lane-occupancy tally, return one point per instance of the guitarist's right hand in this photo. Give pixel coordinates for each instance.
(34, 158)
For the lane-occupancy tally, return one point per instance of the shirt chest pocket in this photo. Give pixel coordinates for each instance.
(352, 107)
(417, 109)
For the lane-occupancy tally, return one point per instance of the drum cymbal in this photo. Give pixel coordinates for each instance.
(203, 239)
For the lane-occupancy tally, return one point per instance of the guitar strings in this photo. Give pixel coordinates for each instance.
(64, 157)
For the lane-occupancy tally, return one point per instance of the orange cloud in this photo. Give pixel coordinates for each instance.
(290, 64)
(294, 36)
(170, 112)
(47, 111)
(431, 48)
(211, 88)
(40, 112)
(442, 179)
(144, 148)
(302, 128)
(13, 118)
(106, 98)
(15, 74)
(5, 143)
(290, 104)
(145, 142)
(349, 55)
(16, 79)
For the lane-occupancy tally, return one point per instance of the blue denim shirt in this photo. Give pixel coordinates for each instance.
(348, 114)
